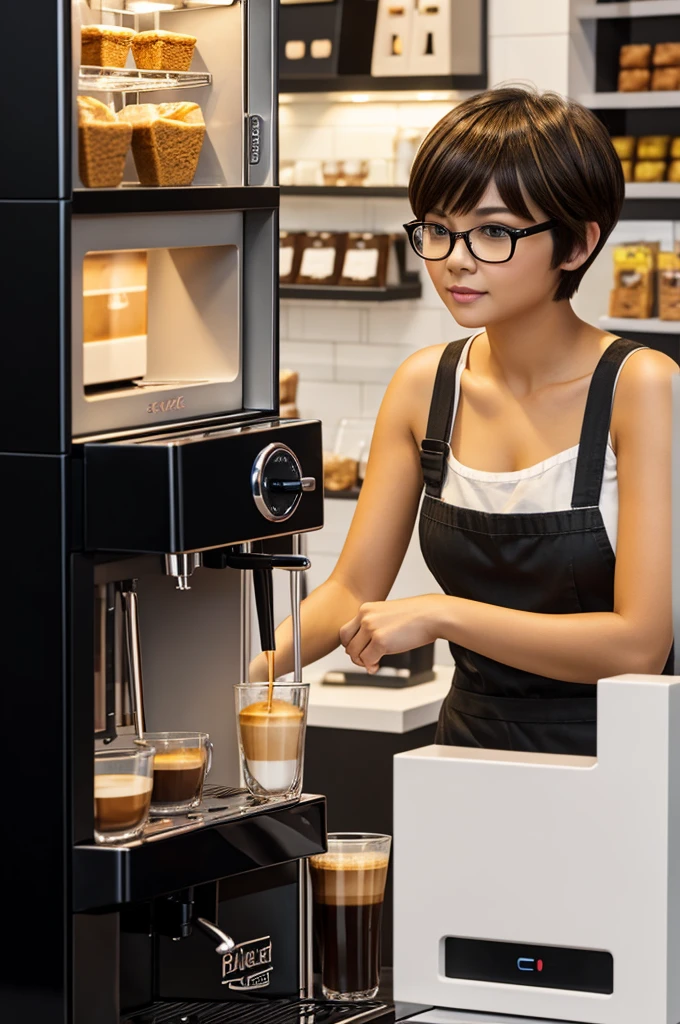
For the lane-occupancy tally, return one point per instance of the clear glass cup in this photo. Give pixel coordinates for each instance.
(181, 762)
(123, 780)
(348, 884)
(272, 740)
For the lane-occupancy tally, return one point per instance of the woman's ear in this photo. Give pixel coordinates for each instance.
(582, 252)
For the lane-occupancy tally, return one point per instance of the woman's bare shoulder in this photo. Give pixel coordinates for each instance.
(643, 390)
(411, 388)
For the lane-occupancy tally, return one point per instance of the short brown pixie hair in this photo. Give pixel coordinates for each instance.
(554, 149)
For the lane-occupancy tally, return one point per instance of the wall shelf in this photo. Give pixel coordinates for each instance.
(631, 100)
(393, 293)
(347, 191)
(137, 199)
(630, 9)
(96, 79)
(652, 326)
(368, 83)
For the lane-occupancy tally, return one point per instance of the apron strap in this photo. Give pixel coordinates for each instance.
(435, 448)
(596, 421)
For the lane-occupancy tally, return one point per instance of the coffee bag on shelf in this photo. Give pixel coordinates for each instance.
(669, 285)
(321, 255)
(369, 261)
(289, 260)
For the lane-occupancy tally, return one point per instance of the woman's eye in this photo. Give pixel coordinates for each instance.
(438, 229)
(494, 231)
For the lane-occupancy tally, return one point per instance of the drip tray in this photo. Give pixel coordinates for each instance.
(269, 1011)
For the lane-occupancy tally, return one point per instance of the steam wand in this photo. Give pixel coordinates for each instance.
(128, 595)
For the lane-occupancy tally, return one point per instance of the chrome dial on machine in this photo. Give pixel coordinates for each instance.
(277, 482)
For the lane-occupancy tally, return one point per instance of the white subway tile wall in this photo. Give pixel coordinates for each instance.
(346, 353)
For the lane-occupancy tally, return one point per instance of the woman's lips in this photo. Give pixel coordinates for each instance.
(465, 295)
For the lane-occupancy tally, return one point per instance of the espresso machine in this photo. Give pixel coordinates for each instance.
(143, 476)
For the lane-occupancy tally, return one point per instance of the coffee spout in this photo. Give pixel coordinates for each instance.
(182, 566)
(263, 586)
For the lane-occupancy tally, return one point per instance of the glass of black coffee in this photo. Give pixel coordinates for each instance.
(181, 762)
(123, 779)
(348, 884)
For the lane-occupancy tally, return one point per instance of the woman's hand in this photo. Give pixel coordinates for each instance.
(390, 627)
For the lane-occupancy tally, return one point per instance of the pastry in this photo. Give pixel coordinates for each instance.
(673, 171)
(159, 50)
(340, 473)
(665, 78)
(627, 168)
(666, 55)
(648, 170)
(288, 382)
(675, 148)
(634, 80)
(653, 147)
(624, 146)
(166, 141)
(105, 46)
(103, 142)
(636, 55)
(669, 285)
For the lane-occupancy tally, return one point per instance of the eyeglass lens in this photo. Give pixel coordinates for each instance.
(489, 242)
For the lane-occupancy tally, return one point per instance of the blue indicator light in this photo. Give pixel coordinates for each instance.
(526, 963)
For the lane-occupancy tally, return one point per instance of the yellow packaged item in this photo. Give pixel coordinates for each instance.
(669, 285)
(633, 291)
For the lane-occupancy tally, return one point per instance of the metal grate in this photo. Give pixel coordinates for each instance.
(215, 792)
(262, 1011)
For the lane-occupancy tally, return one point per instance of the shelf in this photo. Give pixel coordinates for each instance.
(95, 79)
(632, 9)
(631, 100)
(137, 199)
(653, 190)
(406, 290)
(653, 326)
(353, 191)
(368, 83)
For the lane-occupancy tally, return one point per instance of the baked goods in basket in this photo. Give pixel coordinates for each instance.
(105, 46)
(159, 50)
(166, 141)
(103, 142)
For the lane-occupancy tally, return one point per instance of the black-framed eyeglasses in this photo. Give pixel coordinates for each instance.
(488, 243)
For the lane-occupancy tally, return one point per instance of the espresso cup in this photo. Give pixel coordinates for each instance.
(123, 780)
(272, 738)
(181, 762)
(348, 885)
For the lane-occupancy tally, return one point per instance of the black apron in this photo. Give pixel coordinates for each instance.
(555, 563)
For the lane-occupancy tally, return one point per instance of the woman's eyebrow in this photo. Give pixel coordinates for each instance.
(486, 211)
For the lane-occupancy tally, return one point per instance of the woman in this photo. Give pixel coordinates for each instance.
(543, 443)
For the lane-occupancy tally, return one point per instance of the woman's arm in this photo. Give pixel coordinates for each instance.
(382, 524)
(581, 648)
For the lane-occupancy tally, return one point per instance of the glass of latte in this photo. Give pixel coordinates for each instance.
(123, 780)
(271, 723)
(348, 884)
(181, 762)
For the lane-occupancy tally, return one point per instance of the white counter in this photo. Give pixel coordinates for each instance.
(374, 708)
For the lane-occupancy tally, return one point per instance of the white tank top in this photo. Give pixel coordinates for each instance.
(545, 487)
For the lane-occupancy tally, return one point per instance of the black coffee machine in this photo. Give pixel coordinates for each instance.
(143, 462)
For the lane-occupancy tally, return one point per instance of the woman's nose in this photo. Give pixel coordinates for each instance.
(460, 258)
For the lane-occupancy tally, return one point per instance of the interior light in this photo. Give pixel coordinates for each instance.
(147, 6)
(359, 97)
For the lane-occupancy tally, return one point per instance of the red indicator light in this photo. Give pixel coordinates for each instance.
(539, 965)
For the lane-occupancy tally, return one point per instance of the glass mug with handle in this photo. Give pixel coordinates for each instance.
(348, 885)
(181, 762)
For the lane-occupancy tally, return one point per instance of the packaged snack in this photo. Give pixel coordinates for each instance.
(105, 46)
(675, 148)
(166, 141)
(624, 146)
(627, 168)
(633, 291)
(666, 55)
(103, 143)
(653, 147)
(636, 55)
(669, 285)
(665, 78)
(650, 170)
(288, 257)
(634, 80)
(159, 50)
(673, 171)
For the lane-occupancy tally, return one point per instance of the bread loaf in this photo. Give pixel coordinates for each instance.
(166, 141)
(666, 55)
(635, 55)
(105, 45)
(665, 78)
(103, 142)
(340, 473)
(159, 50)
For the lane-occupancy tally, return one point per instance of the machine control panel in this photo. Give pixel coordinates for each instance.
(514, 963)
(278, 483)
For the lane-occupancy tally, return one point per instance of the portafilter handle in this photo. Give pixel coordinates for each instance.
(128, 596)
